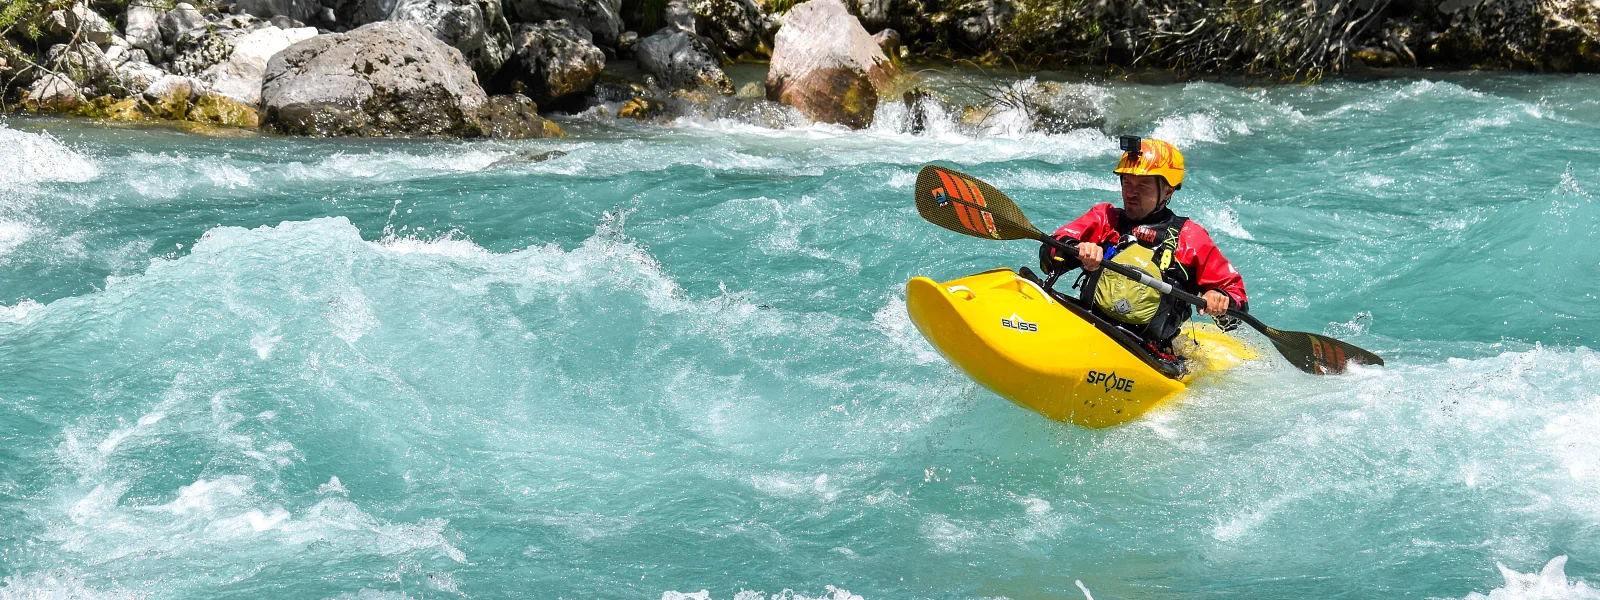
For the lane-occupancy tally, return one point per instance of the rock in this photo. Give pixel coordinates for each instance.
(733, 26)
(980, 20)
(386, 78)
(680, 60)
(827, 66)
(356, 13)
(642, 109)
(169, 96)
(678, 14)
(753, 91)
(601, 17)
(626, 41)
(143, 30)
(217, 109)
(178, 22)
(889, 42)
(85, 64)
(515, 117)
(136, 76)
(523, 158)
(115, 109)
(79, 22)
(201, 49)
(239, 77)
(555, 61)
(300, 10)
(477, 28)
(54, 92)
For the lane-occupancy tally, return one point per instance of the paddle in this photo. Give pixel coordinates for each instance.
(963, 204)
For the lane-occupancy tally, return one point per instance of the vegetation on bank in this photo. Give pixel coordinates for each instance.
(1295, 40)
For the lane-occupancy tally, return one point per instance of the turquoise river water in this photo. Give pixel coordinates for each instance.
(675, 361)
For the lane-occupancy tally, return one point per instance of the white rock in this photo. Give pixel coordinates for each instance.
(137, 75)
(239, 77)
(143, 30)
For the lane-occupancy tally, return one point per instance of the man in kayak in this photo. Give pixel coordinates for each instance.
(1146, 235)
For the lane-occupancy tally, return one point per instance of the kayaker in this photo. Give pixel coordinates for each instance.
(1146, 235)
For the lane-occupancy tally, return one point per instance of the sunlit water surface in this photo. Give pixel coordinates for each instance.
(676, 358)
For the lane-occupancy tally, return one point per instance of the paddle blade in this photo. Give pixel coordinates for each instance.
(1318, 354)
(961, 203)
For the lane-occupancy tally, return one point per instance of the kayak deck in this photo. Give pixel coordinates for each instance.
(1009, 335)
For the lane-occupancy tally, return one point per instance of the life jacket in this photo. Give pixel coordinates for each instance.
(1142, 309)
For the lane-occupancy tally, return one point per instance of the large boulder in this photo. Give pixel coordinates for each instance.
(356, 13)
(827, 65)
(239, 76)
(679, 59)
(79, 22)
(54, 92)
(85, 64)
(142, 29)
(601, 17)
(555, 61)
(179, 22)
(136, 76)
(477, 28)
(733, 26)
(515, 117)
(386, 78)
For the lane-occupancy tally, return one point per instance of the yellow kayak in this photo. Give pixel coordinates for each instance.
(1010, 336)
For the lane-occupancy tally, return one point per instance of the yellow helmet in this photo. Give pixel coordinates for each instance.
(1155, 157)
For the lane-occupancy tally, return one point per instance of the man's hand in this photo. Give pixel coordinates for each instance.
(1216, 303)
(1090, 255)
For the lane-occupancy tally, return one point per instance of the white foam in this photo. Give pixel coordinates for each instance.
(33, 158)
(829, 593)
(1194, 128)
(1550, 583)
(13, 234)
(57, 584)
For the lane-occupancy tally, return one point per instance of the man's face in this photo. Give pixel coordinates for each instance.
(1141, 194)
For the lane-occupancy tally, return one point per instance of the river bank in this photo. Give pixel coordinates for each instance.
(483, 68)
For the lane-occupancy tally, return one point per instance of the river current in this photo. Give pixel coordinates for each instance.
(673, 361)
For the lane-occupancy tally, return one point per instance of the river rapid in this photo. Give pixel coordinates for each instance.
(674, 361)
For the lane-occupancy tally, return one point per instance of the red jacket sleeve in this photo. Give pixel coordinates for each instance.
(1096, 226)
(1208, 268)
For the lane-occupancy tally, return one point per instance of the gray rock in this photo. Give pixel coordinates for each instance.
(85, 64)
(827, 65)
(889, 42)
(169, 96)
(135, 76)
(79, 22)
(355, 13)
(239, 76)
(515, 117)
(54, 91)
(980, 20)
(477, 28)
(679, 59)
(386, 78)
(555, 61)
(143, 30)
(601, 17)
(678, 14)
(299, 10)
(734, 26)
(177, 23)
(202, 48)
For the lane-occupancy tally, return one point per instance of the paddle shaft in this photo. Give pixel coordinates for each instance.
(1161, 286)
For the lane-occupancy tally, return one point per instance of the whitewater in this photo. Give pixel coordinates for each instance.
(673, 360)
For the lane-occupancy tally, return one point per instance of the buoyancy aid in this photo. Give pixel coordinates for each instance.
(1143, 310)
